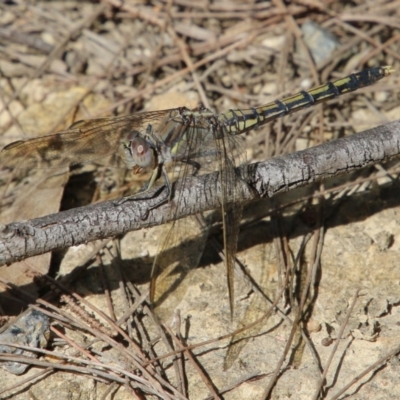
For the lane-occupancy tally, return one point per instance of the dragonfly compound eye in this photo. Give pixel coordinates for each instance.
(141, 152)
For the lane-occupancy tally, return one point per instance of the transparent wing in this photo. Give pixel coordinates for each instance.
(85, 141)
(183, 244)
(199, 151)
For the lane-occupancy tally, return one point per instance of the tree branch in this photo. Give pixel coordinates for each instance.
(20, 240)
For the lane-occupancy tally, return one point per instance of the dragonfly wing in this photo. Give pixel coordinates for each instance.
(86, 141)
(183, 245)
(231, 153)
(175, 264)
(232, 214)
(202, 149)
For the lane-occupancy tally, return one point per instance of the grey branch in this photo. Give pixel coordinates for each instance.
(20, 240)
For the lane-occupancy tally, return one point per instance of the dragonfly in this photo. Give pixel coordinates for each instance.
(197, 140)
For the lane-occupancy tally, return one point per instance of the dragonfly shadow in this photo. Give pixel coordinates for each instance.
(78, 191)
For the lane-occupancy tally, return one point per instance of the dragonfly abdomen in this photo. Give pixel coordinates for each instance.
(239, 121)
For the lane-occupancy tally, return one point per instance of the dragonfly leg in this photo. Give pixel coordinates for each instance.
(167, 185)
(196, 166)
(160, 170)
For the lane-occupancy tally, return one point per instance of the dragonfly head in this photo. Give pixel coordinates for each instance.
(138, 152)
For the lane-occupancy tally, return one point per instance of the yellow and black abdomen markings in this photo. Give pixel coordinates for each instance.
(239, 121)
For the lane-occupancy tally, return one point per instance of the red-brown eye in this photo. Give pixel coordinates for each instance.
(141, 151)
(137, 151)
